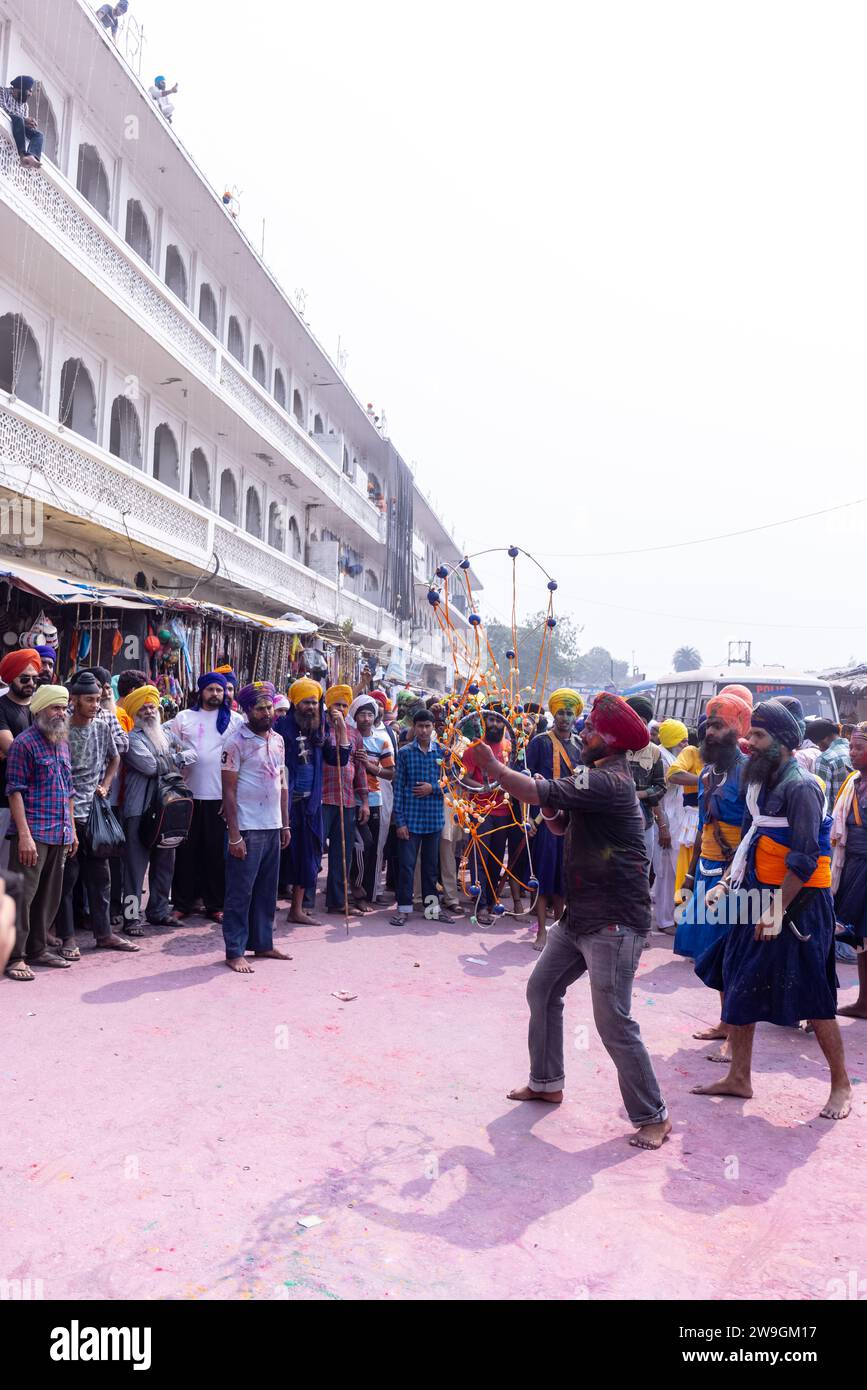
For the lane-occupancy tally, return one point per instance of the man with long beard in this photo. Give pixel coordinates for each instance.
(301, 730)
(200, 862)
(39, 782)
(778, 967)
(607, 918)
(152, 751)
(499, 834)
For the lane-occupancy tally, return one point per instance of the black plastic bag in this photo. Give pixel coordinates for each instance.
(105, 837)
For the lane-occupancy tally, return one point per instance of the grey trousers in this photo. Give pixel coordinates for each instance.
(158, 864)
(610, 957)
(40, 896)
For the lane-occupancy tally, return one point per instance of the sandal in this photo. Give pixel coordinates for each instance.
(70, 953)
(20, 971)
(215, 917)
(133, 930)
(484, 918)
(398, 920)
(48, 959)
(114, 943)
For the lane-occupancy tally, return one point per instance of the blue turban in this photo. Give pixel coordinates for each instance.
(47, 654)
(778, 721)
(224, 713)
(256, 691)
(23, 84)
(797, 709)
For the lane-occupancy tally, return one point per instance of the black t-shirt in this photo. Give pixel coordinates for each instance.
(15, 718)
(605, 861)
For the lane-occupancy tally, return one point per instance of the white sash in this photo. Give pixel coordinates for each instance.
(759, 822)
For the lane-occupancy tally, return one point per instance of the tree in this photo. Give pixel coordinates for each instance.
(686, 659)
(566, 665)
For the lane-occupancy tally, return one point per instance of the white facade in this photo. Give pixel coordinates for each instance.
(159, 394)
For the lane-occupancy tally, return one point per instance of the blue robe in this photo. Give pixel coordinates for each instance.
(546, 850)
(305, 813)
(699, 927)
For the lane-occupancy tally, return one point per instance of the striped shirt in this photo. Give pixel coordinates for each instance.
(10, 103)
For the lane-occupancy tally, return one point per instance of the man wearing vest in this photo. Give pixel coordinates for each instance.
(776, 963)
(552, 755)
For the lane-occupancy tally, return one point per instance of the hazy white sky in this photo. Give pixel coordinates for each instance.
(603, 266)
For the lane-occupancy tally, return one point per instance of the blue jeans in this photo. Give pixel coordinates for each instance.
(28, 141)
(250, 904)
(610, 957)
(407, 853)
(334, 890)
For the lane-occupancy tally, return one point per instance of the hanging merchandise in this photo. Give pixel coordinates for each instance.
(42, 634)
(117, 643)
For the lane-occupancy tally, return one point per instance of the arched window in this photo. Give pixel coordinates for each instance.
(208, 314)
(294, 539)
(20, 363)
(92, 180)
(200, 478)
(138, 231)
(42, 112)
(235, 341)
(125, 433)
(298, 406)
(253, 522)
(318, 427)
(77, 399)
(228, 497)
(167, 459)
(280, 388)
(276, 533)
(260, 371)
(176, 273)
(371, 582)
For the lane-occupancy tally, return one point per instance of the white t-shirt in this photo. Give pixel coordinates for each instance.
(197, 728)
(260, 762)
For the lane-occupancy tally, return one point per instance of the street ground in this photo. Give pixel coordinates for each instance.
(169, 1125)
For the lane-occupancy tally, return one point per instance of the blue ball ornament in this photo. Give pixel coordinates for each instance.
(465, 564)
(533, 883)
(552, 585)
(514, 552)
(475, 890)
(510, 655)
(442, 572)
(433, 597)
(474, 690)
(498, 909)
(552, 622)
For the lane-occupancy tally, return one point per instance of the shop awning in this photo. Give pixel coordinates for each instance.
(50, 587)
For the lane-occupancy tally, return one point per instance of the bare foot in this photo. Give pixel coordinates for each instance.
(711, 1034)
(856, 1010)
(240, 966)
(273, 954)
(527, 1093)
(651, 1136)
(839, 1103)
(723, 1055)
(541, 941)
(729, 1086)
(303, 919)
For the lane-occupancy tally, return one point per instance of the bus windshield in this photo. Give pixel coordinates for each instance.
(815, 699)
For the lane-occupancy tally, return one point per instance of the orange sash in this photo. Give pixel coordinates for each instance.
(771, 864)
(559, 754)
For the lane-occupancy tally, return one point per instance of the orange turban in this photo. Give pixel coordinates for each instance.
(741, 692)
(343, 693)
(12, 665)
(732, 710)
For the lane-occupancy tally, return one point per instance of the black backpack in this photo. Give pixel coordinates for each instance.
(166, 822)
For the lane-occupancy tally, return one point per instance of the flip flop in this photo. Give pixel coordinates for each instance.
(133, 930)
(116, 945)
(70, 953)
(20, 971)
(398, 920)
(48, 959)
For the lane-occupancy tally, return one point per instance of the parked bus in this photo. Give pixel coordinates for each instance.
(684, 694)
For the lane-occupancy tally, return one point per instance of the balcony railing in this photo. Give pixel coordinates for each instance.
(53, 201)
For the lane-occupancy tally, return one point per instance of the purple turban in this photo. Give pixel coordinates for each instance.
(251, 693)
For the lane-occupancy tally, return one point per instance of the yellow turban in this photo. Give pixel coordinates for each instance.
(48, 695)
(304, 689)
(565, 699)
(338, 692)
(671, 731)
(145, 695)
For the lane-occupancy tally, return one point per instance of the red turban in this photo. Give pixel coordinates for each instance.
(732, 710)
(12, 665)
(380, 699)
(618, 723)
(741, 692)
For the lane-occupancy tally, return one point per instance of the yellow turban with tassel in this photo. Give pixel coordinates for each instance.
(343, 693)
(565, 699)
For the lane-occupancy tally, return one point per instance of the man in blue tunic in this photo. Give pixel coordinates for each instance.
(301, 730)
(776, 963)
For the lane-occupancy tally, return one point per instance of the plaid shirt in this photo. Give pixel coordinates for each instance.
(833, 766)
(352, 774)
(420, 814)
(10, 103)
(41, 772)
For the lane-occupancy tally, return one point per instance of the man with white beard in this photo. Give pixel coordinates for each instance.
(39, 785)
(152, 750)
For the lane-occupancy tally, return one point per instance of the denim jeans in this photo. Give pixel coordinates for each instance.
(250, 904)
(610, 957)
(408, 851)
(334, 891)
(27, 141)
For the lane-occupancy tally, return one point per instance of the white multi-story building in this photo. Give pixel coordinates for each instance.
(160, 395)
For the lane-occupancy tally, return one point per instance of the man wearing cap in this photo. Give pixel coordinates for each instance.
(39, 782)
(25, 132)
(200, 862)
(552, 755)
(378, 758)
(108, 16)
(160, 92)
(19, 670)
(775, 965)
(94, 763)
(673, 737)
(302, 732)
(152, 751)
(344, 783)
(607, 919)
(256, 807)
